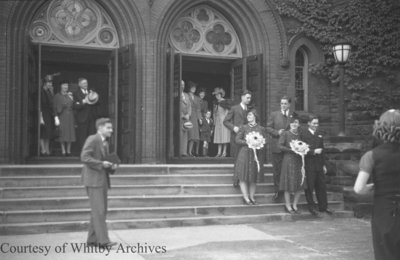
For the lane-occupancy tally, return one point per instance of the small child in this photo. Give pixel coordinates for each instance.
(206, 130)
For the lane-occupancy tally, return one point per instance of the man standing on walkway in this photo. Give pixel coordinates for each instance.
(277, 122)
(315, 168)
(96, 179)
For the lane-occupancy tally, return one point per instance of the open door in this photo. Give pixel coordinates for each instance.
(254, 79)
(247, 73)
(174, 77)
(31, 139)
(122, 99)
(238, 73)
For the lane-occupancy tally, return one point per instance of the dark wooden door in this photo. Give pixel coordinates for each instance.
(174, 77)
(122, 103)
(31, 140)
(254, 79)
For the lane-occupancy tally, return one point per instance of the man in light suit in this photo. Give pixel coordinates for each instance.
(95, 177)
(315, 167)
(277, 122)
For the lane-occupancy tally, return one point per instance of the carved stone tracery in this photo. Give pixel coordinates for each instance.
(74, 22)
(204, 31)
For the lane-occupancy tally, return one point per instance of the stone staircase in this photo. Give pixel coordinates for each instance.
(50, 198)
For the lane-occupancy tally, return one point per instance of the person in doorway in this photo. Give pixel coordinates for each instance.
(63, 102)
(222, 134)
(248, 167)
(382, 166)
(315, 168)
(195, 117)
(186, 110)
(203, 111)
(291, 176)
(237, 117)
(46, 115)
(85, 112)
(277, 122)
(206, 131)
(96, 179)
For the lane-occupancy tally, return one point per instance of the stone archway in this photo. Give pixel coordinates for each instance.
(259, 29)
(125, 15)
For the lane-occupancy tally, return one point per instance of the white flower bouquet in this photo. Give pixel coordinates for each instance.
(255, 141)
(300, 148)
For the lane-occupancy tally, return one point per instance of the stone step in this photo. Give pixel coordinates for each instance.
(127, 190)
(139, 201)
(53, 227)
(62, 215)
(29, 181)
(342, 180)
(68, 170)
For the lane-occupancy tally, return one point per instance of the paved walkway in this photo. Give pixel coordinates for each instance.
(313, 239)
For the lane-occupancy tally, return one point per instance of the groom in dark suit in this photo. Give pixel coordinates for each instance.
(278, 122)
(236, 117)
(315, 168)
(95, 177)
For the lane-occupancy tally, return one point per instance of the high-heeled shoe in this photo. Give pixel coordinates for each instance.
(223, 155)
(290, 211)
(246, 202)
(253, 201)
(295, 211)
(218, 155)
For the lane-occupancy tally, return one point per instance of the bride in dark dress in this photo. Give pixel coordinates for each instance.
(291, 176)
(246, 169)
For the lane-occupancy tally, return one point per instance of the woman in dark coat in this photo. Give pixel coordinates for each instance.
(47, 117)
(63, 103)
(291, 176)
(382, 166)
(247, 170)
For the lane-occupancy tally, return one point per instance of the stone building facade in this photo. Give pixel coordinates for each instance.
(135, 51)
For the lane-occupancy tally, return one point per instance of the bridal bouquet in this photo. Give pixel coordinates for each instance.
(255, 141)
(300, 148)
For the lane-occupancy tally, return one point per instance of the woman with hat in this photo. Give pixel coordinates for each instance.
(222, 135)
(46, 115)
(63, 102)
(291, 176)
(382, 166)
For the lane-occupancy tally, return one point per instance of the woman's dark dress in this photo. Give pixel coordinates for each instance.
(383, 164)
(291, 165)
(245, 165)
(46, 107)
(63, 107)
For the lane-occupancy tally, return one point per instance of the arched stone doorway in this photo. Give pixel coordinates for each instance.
(121, 69)
(260, 42)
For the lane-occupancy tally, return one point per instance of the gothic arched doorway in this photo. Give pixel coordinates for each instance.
(204, 48)
(72, 39)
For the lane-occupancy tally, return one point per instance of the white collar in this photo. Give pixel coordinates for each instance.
(102, 137)
(286, 113)
(311, 131)
(243, 106)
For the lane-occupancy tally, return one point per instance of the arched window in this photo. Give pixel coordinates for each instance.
(204, 31)
(301, 80)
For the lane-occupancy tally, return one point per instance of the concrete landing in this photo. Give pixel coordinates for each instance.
(326, 238)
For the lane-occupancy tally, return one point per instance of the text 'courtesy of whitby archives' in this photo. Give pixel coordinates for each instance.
(82, 248)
